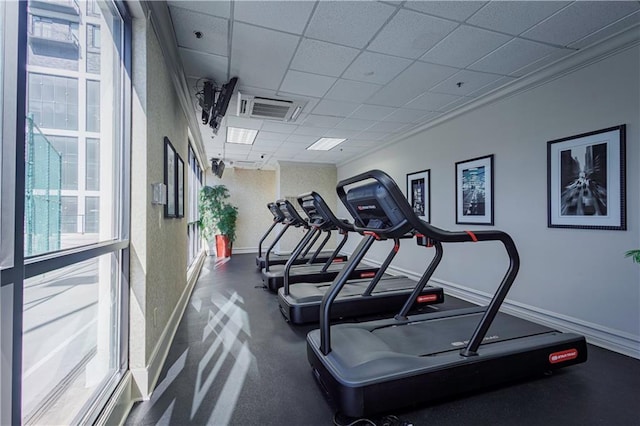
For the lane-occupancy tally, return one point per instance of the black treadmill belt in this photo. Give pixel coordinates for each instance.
(311, 292)
(425, 338)
(315, 268)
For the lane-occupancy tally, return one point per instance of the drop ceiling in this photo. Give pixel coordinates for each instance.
(369, 71)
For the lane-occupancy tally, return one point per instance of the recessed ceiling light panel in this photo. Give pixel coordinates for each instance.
(325, 144)
(243, 136)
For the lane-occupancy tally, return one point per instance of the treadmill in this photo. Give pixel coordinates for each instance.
(300, 303)
(318, 256)
(273, 276)
(378, 366)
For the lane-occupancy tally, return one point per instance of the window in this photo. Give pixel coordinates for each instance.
(93, 164)
(53, 101)
(91, 214)
(93, 106)
(53, 42)
(73, 340)
(69, 215)
(194, 185)
(93, 49)
(67, 147)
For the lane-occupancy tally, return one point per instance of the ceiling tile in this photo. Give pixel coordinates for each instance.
(217, 8)
(268, 143)
(304, 83)
(303, 139)
(410, 34)
(340, 133)
(616, 27)
(243, 123)
(471, 82)
(214, 30)
(204, 65)
(376, 68)
(415, 80)
(355, 124)
(335, 108)
(352, 91)
(512, 56)
(374, 136)
(372, 112)
(272, 136)
(309, 131)
(320, 57)
(491, 86)
(456, 10)
(404, 115)
(321, 121)
(386, 126)
(254, 47)
(274, 126)
(290, 16)
(514, 17)
(580, 19)
(348, 23)
(464, 46)
(430, 101)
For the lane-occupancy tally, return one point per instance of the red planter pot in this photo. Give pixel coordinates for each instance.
(223, 246)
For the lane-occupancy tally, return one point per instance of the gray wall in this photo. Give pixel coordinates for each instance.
(576, 279)
(298, 178)
(250, 191)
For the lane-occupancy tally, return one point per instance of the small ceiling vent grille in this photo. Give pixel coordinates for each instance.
(268, 108)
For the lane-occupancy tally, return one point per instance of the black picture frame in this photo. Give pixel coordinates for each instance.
(170, 178)
(586, 182)
(419, 193)
(474, 191)
(180, 186)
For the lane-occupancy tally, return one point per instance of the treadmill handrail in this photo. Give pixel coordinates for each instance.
(410, 221)
(278, 217)
(296, 254)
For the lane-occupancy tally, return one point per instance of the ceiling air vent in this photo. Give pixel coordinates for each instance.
(268, 108)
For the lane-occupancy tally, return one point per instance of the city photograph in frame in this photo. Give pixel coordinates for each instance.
(474, 191)
(419, 193)
(586, 180)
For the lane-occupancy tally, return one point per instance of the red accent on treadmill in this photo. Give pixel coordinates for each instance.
(426, 298)
(473, 236)
(373, 234)
(367, 274)
(563, 356)
(337, 260)
(396, 247)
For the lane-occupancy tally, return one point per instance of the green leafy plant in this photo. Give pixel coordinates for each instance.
(634, 254)
(216, 215)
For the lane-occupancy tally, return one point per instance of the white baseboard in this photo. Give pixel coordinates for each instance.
(614, 340)
(146, 378)
(245, 250)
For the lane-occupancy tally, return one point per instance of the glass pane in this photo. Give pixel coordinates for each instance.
(57, 98)
(53, 38)
(93, 106)
(79, 195)
(69, 339)
(93, 164)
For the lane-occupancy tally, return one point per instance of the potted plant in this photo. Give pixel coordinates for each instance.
(634, 254)
(218, 219)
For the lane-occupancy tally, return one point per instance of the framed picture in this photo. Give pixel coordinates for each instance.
(419, 193)
(180, 184)
(474, 191)
(586, 180)
(170, 178)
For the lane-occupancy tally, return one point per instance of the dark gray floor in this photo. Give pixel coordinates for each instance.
(234, 360)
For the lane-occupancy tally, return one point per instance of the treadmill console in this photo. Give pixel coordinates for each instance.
(275, 211)
(372, 207)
